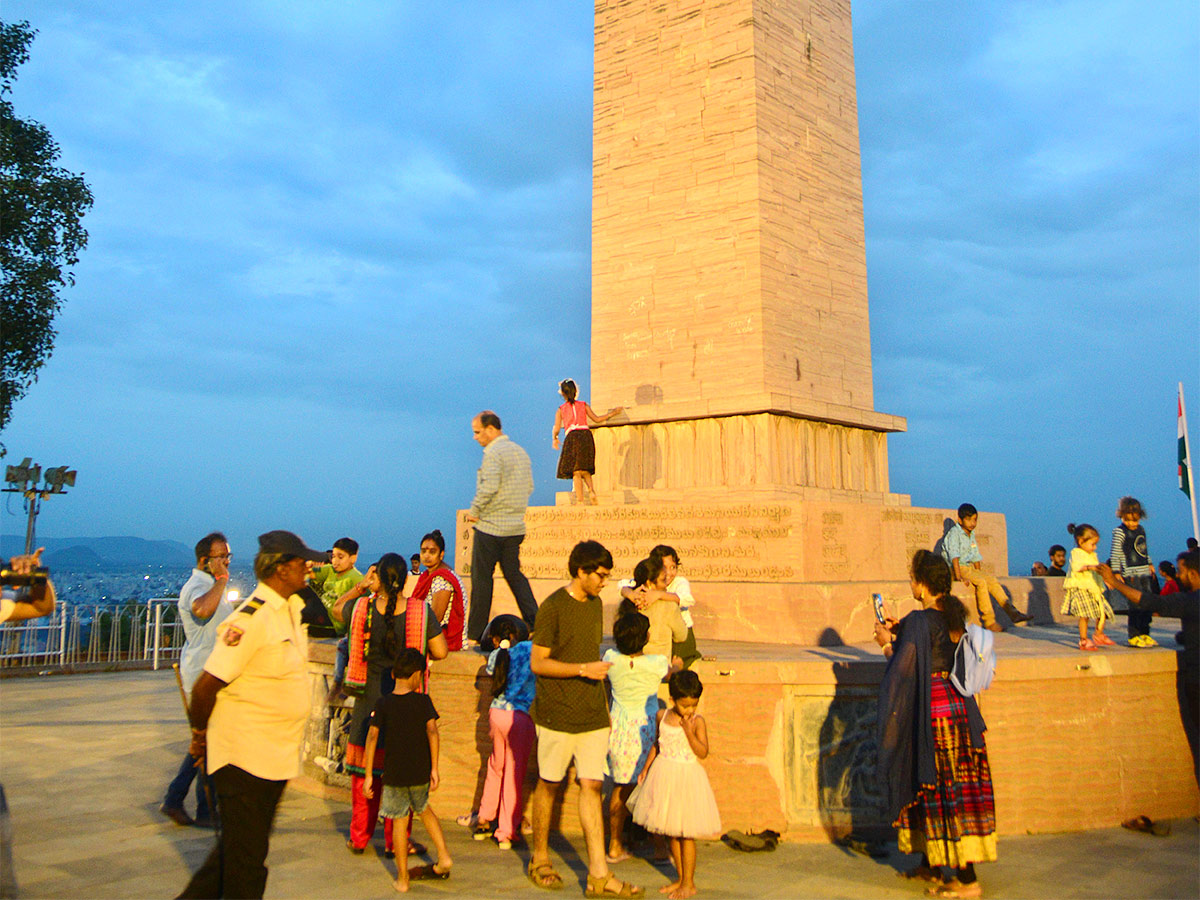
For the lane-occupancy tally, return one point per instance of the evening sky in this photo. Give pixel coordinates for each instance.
(326, 235)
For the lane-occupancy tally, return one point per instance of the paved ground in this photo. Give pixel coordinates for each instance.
(84, 760)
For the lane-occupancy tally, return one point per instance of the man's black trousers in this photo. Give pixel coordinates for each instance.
(236, 867)
(486, 552)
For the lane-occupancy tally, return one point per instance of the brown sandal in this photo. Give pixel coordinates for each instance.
(599, 887)
(543, 875)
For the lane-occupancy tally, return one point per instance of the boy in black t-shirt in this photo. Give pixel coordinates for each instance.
(407, 722)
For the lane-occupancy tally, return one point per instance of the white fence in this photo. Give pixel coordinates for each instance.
(96, 635)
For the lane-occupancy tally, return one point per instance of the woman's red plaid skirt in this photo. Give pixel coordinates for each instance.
(953, 822)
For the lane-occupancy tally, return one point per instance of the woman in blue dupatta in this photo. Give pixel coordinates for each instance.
(932, 758)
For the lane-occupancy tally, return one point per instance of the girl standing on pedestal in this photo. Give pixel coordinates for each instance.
(578, 459)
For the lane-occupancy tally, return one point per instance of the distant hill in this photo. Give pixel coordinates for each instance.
(102, 552)
(73, 558)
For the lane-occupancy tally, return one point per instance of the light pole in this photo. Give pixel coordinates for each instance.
(23, 479)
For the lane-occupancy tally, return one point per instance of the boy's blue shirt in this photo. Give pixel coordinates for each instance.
(961, 546)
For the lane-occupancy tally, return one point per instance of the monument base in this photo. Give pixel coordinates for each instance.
(774, 571)
(1075, 740)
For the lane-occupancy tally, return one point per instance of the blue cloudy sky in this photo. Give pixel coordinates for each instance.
(325, 235)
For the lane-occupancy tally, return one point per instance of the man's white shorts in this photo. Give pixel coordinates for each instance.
(556, 749)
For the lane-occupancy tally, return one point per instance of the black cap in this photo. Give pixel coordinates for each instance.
(290, 545)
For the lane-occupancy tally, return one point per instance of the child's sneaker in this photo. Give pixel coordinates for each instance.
(502, 843)
(482, 831)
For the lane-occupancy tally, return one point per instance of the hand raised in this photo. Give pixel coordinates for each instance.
(23, 565)
(595, 670)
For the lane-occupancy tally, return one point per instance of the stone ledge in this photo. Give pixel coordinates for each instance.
(751, 405)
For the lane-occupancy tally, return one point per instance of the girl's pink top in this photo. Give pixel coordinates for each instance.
(574, 415)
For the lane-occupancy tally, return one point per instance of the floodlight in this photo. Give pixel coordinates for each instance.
(59, 476)
(24, 480)
(19, 474)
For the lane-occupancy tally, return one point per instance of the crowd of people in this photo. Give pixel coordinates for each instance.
(932, 755)
(245, 676)
(1085, 592)
(551, 688)
(628, 716)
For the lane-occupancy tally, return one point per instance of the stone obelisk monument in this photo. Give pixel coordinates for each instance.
(729, 276)
(729, 319)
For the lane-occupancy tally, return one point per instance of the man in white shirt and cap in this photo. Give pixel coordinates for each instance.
(248, 714)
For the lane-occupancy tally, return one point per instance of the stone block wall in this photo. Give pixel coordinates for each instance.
(751, 546)
(1075, 741)
(728, 256)
(740, 456)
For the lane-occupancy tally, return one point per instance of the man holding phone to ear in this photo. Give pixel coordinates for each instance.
(202, 607)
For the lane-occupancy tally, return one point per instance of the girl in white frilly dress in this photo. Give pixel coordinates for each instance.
(674, 798)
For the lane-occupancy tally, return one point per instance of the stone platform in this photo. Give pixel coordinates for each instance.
(779, 570)
(1076, 740)
(85, 759)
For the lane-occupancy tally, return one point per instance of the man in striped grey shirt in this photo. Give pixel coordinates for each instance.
(502, 490)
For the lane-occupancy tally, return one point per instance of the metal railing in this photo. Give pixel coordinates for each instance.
(33, 642)
(164, 642)
(96, 635)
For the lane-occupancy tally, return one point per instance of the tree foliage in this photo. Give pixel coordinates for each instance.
(41, 235)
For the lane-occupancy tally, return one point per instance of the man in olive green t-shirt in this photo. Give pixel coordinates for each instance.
(571, 714)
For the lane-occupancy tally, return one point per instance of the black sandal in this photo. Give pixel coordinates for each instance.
(425, 873)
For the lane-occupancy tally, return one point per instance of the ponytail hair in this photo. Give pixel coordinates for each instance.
(505, 629)
(1081, 531)
(625, 607)
(647, 570)
(392, 571)
(931, 570)
(955, 613)
(568, 389)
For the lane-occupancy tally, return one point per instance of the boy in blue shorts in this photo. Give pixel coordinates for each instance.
(406, 724)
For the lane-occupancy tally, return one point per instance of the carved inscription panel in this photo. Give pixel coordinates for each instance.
(747, 542)
(715, 542)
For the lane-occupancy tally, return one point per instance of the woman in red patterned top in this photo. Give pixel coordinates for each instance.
(578, 460)
(440, 588)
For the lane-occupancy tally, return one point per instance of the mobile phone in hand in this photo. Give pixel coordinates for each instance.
(878, 601)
